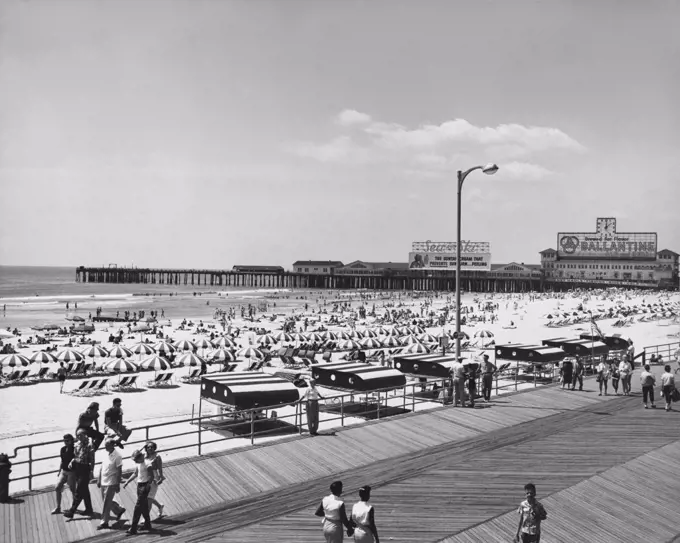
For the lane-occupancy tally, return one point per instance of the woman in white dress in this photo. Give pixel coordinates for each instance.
(332, 509)
(603, 376)
(363, 519)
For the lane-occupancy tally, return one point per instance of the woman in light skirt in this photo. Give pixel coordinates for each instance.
(363, 519)
(332, 509)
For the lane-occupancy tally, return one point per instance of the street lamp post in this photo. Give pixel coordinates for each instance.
(489, 169)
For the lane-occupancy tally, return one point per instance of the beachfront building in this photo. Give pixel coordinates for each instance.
(316, 267)
(607, 257)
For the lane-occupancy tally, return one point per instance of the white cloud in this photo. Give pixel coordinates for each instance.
(525, 171)
(349, 117)
(432, 150)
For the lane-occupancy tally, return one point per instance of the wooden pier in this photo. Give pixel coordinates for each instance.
(601, 465)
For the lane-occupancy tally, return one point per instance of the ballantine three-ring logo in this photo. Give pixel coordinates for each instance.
(569, 244)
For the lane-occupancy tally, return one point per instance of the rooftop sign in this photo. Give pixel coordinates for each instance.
(607, 243)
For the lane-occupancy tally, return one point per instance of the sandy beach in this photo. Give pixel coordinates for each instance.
(38, 412)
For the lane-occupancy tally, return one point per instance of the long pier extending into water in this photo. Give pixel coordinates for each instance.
(471, 281)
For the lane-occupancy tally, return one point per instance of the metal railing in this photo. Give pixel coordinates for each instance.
(666, 349)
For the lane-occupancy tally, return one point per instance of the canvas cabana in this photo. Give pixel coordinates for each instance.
(615, 342)
(536, 354)
(248, 390)
(425, 365)
(356, 376)
(578, 347)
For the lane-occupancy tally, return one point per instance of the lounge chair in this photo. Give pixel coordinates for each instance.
(42, 374)
(156, 381)
(167, 380)
(12, 377)
(100, 388)
(192, 376)
(84, 387)
(126, 383)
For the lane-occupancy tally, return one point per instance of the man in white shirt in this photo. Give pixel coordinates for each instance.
(457, 372)
(312, 397)
(647, 380)
(110, 477)
(626, 372)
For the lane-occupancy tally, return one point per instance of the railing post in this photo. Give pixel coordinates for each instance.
(252, 426)
(342, 410)
(146, 429)
(200, 436)
(413, 397)
(298, 417)
(534, 366)
(378, 407)
(516, 374)
(30, 467)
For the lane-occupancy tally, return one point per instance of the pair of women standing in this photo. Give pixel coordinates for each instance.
(361, 524)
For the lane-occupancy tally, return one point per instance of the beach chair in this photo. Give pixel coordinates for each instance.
(10, 378)
(84, 388)
(23, 377)
(231, 367)
(156, 381)
(193, 374)
(42, 374)
(126, 383)
(99, 388)
(167, 380)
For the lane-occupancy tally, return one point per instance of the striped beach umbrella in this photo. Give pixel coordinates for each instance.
(185, 345)
(343, 335)
(121, 365)
(370, 343)
(415, 329)
(68, 355)
(391, 341)
(189, 359)
(203, 343)
(42, 357)
(164, 348)
(391, 331)
(15, 361)
(463, 335)
(348, 344)
(224, 342)
(484, 333)
(221, 355)
(404, 330)
(329, 336)
(155, 363)
(120, 352)
(266, 340)
(95, 350)
(281, 336)
(368, 332)
(315, 337)
(415, 348)
(249, 352)
(409, 340)
(142, 348)
(355, 335)
(427, 338)
(298, 337)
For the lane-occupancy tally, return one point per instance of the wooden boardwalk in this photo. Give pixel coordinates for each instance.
(448, 474)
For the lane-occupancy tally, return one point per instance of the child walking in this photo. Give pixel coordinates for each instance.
(531, 514)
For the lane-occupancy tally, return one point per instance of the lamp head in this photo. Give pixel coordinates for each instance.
(490, 169)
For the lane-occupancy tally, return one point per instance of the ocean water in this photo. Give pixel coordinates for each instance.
(35, 295)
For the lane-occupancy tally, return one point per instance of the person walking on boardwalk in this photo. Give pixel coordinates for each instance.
(626, 372)
(66, 475)
(363, 518)
(488, 369)
(153, 460)
(61, 375)
(578, 375)
(332, 509)
(602, 370)
(457, 372)
(109, 480)
(647, 380)
(471, 377)
(531, 514)
(144, 476)
(614, 372)
(312, 397)
(82, 465)
(667, 386)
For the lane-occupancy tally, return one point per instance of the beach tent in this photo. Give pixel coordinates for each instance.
(537, 354)
(356, 376)
(578, 347)
(615, 342)
(425, 365)
(248, 390)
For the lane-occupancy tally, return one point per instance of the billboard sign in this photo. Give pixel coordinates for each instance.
(435, 255)
(607, 243)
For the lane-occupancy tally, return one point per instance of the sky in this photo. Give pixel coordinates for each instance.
(205, 134)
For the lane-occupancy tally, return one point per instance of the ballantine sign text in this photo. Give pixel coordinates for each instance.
(606, 242)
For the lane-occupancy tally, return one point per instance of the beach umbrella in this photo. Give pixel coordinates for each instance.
(427, 338)
(298, 337)
(409, 340)
(368, 332)
(164, 348)
(95, 350)
(415, 348)
(415, 329)
(279, 336)
(142, 327)
(121, 365)
(391, 341)
(120, 352)
(224, 342)
(266, 339)
(75, 318)
(189, 359)
(42, 357)
(155, 363)
(484, 333)
(315, 337)
(51, 327)
(391, 332)
(68, 355)
(343, 335)
(14, 361)
(185, 345)
(203, 343)
(348, 344)
(4, 334)
(142, 348)
(370, 343)
(329, 336)
(222, 355)
(249, 352)
(463, 335)
(355, 334)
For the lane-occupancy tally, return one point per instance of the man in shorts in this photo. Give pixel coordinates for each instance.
(66, 475)
(61, 375)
